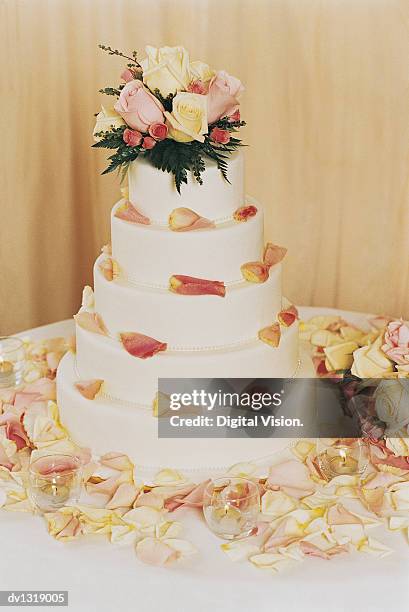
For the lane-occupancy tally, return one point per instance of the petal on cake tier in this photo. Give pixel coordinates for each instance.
(87, 297)
(255, 272)
(91, 321)
(189, 285)
(185, 220)
(273, 254)
(109, 268)
(287, 316)
(270, 335)
(139, 345)
(128, 212)
(89, 388)
(245, 212)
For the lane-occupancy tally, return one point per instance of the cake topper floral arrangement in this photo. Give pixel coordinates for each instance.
(171, 111)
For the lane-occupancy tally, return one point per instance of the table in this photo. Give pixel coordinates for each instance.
(102, 577)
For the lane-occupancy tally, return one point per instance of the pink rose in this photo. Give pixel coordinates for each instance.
(219, 135)
(396, 342)
(138, 107)
(133, 138)
(197, 87)
(222, 98)
(127, 75)
(158, 131)
(148, 142)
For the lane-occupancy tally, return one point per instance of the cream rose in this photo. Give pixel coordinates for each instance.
(188, 119)
(166, 69)
(107, 118)
(201, 71)
(392, 404)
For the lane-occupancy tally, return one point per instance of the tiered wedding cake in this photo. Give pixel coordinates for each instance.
(155, 313)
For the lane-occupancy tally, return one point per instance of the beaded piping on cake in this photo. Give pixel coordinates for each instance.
(111, 398)
(135, 283)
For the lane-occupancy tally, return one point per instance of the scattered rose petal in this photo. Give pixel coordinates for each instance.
(89, 388)
(189, 285)
(340, 356)
(128, 212)
(123, 497)
(271, 335)
(116, 461)
(16, 433)
(273, 254)
(244, 213)
(155, 552)
(139, 345)
(292, 477)
(312, 550)
(92, 322)
(185, 219)
(45, 387)
(255, 272)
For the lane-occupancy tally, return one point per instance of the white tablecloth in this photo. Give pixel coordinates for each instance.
(103, 577)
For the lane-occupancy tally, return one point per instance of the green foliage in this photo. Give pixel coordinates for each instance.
(167, 102)
(133, 59)
(177, 158)
(110, 91)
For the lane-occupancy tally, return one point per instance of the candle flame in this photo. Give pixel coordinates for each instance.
(343, 455)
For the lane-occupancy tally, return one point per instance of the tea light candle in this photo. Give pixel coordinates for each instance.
(55, 493)
(343, 464)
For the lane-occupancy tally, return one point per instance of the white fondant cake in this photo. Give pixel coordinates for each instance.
(188, 289)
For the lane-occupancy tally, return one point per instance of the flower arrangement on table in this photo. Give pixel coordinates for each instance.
(171, 111)
(303, 512)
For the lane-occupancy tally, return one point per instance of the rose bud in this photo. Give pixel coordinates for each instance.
(220, 136)
(158, 131)
(234, 117)
(148, 142)
(132, 138)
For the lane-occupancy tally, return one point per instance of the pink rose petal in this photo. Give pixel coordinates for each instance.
(139, 345)
(128, 212)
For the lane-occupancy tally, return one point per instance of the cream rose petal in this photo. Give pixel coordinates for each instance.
(375, 547)
(239, 550)
(276, 503)
(169, 477)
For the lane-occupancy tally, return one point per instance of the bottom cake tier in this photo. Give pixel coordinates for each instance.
(105, 424)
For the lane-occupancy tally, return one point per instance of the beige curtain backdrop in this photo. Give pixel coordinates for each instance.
(327, 107)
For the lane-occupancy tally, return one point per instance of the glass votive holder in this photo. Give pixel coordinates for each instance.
(54, 481)
(231, 507)
(12, 361)
(342, 456)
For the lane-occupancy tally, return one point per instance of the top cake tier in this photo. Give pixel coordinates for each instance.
(155, 195)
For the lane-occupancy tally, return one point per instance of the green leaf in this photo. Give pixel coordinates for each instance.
(171, 156)
(110, 91)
